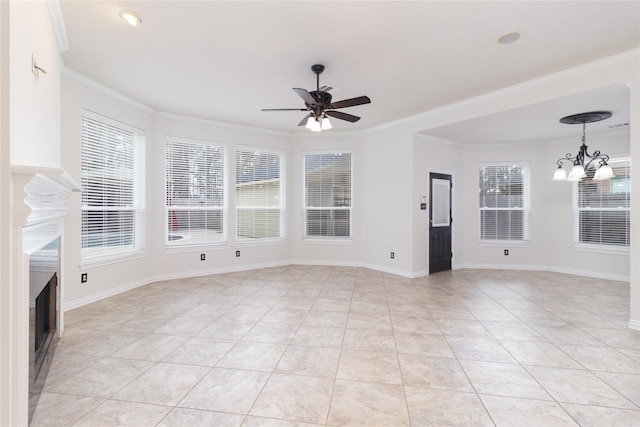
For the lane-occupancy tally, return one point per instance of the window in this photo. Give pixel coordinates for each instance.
(504, 202)
(258, 194)
(327, 195)
(195, 200)
(112, 188)
(602, 208)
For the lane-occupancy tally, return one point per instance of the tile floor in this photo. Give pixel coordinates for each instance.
(333, 346)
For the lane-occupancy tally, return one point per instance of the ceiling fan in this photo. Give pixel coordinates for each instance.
(319, 105)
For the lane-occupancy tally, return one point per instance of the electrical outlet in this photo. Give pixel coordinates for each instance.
(83, 278)
(202, 257)
(393, 255)
(506, 251)
(237, 254)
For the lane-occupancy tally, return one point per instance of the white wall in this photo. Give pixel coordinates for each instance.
(434, 155)
(315, 251)
(102, 279)
(34, 103)
(391, 165)
(558, 226)
(180, 262)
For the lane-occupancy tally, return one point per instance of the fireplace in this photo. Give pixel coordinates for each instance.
(35, 299)
(44, 265)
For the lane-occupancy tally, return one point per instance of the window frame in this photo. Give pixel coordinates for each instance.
(526, 208)
(305, 209)
(105, 254)
(188, 244)
(281, 197)
(576, 223)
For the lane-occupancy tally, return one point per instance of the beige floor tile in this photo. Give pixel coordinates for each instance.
(626, 384)
(295, 398)
(433, 372)
(251, 421)
(183, 326)
(510, 411)
(276, 333)
(227, 329)
(357, 403)
(326, 318)
(596, 416)
(163, 384)
(539, 354)
(200, 351)
(424, 344)
(65, 366)
(154, 347)
(283, 314)
(116, 413)
(428, 407)
(193, 417)
(482, 349)
(463, 328)
(61, 409)
(319, 336)
(369, 321)
(312, 361)
(578, 386)
(226, 390)
(104, 378)
(601, 359)
(255, 356)
(513, 331)
(369, 366)
(503, 379)
(104, 344)
(369, 340)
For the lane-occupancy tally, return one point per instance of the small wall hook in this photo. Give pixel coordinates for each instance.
(35, 69)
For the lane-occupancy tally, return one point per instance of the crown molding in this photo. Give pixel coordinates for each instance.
(627, 56)
(57, 20)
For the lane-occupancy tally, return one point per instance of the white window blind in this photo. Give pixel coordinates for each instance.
(112, 188)
(602, 208)
(258, 194)
(195, 196)
(504, 202)
(327, 188)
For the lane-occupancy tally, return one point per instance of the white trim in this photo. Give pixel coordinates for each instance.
(106, 90)
(554, 269)
(541, 81)
(57, 21)
(634, 324)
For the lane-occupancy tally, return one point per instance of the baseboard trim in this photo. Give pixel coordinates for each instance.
(597, 275)
(634, 324)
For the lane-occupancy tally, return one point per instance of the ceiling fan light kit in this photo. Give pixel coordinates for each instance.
(579, 170)
(318, 104)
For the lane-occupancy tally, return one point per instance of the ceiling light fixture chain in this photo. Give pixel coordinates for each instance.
(579, 170)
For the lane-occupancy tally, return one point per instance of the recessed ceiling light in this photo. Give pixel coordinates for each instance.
(131, 18)
(509, 38)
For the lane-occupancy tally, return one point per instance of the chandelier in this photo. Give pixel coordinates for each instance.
(583, 160)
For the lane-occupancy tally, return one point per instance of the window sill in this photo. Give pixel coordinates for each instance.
(195, 248)
(247, 243)
(600, 249)
(319, 241)
(112, 259)
(501, 243)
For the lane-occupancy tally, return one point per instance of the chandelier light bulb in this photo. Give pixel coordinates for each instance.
(604, 172)
(560, 174)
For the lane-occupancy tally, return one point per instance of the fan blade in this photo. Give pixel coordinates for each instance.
(342, 116)
(284, 109)
(306, 96)
(350, 102)
(304, 121)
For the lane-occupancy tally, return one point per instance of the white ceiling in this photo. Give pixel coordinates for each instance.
(224, 61)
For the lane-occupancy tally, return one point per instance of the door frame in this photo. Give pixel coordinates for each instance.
(455, 218)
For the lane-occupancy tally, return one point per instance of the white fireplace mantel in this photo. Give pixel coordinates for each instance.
(38, 209)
